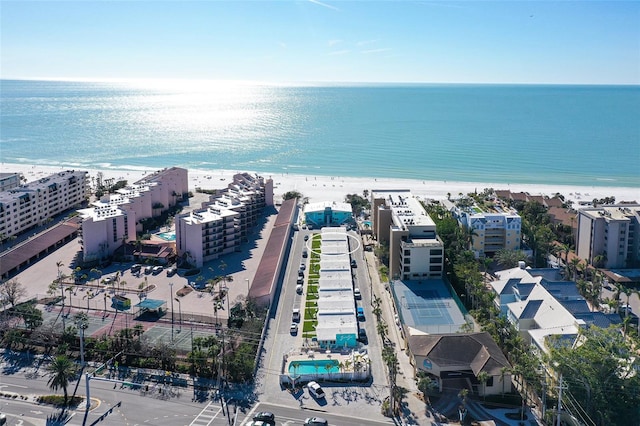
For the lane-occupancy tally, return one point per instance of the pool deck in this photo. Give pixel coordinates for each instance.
(347, 361)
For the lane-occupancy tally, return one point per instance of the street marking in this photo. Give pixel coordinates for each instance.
(206, 413)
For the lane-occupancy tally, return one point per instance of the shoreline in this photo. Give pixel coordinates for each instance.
(327, 188)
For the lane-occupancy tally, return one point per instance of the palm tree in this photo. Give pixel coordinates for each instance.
(482, 377)
(62, 371)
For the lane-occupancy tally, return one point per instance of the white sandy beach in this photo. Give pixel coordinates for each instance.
(327, 188)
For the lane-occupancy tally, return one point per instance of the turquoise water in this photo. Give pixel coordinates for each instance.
(315, 367)
(582, 135)
(167, 236)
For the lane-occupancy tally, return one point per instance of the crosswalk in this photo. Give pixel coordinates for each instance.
(207, 415)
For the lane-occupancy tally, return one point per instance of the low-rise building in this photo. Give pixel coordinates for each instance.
(539, 303)
(328, 213)
(493, 226)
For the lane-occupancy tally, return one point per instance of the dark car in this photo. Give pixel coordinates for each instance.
(362, 336)
(264, 416)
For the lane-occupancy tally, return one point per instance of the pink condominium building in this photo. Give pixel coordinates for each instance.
(115, 218)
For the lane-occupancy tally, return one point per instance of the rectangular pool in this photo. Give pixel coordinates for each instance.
(319, 366)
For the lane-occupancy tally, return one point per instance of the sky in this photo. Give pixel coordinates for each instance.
(539, 42)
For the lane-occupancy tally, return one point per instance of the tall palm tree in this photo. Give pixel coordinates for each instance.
(62, 371)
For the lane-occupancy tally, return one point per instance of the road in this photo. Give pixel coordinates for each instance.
(289, 416)
(357, 400)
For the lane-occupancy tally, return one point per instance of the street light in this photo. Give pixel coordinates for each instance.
(171, 295)
(180, 311)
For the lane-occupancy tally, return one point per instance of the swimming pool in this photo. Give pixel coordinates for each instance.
(319, 366)
(167, 236)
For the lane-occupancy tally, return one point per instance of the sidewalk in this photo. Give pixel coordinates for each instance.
(415, 411)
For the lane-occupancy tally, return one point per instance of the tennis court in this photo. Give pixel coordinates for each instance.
(428, 306)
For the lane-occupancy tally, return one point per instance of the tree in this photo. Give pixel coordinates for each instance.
(62, 371)
(483, 377)
(601, 374)
(292, 195)
(509, 258)
(12, 291)
(31, 315)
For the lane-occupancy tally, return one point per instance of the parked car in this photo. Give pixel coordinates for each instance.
(172, 271)
(299, 288)
(156, 270)
(356, 293)
(306, 237)
(295, 315)
(294, 328)
(300, 280)
(360, 313)
(303, 266)
(316, 421)
(316, 390)
(264, 416)
(300, 273)
(136, 268)
(362, 336)
(148, 269)
(305, 253)
(354, 264)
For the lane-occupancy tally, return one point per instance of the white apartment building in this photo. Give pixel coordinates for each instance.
(222, 224)
(609, 236)
(9, 181)
(32, 204)
(415, 250)
(493, 227)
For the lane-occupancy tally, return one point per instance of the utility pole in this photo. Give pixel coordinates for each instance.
(560, 387)
(171, 291)
(179, 314)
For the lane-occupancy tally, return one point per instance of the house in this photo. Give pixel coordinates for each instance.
(539, 303)
(461, 357)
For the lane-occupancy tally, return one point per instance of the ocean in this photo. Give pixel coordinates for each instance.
(535, 134)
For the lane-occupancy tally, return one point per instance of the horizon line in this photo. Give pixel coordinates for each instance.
(299, 83)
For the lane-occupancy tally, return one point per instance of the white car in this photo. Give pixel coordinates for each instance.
(299, 288)
(294, 328)
(315, 389)
(357, 294)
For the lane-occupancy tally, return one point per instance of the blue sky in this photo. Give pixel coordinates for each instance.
(577, 42)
